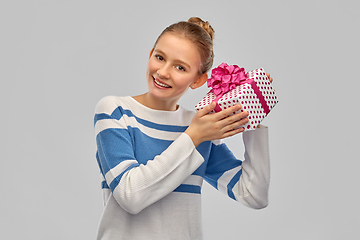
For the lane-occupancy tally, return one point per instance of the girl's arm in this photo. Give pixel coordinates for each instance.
(247, 181)
(253, 187)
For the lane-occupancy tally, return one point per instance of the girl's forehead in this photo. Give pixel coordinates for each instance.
(175, 44)
(174, 37)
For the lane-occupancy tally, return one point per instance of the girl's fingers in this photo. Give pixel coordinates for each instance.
(219, 115)
(234, 118)
(207, 109)
(237, 124)
(233, 132)
(226, 112)
(270, 78)
(234, 121)
(225, 119)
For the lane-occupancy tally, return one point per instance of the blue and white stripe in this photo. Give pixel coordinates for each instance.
(221, 168)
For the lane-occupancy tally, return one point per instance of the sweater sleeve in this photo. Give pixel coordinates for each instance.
(253, 186)
(245, 181)
(134, 185)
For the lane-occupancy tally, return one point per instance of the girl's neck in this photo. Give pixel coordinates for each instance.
(165, 105)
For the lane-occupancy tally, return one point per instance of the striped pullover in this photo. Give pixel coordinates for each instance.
(152, 173)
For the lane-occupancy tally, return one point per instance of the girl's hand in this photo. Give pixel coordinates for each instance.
(208, 127)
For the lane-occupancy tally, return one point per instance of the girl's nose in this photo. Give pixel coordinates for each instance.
(163, 73)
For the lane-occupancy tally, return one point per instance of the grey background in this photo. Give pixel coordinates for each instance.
(58, 58)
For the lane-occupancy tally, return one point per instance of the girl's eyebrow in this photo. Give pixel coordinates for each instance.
(176, 60)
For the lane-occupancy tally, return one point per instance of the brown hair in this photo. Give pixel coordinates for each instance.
(201, 34)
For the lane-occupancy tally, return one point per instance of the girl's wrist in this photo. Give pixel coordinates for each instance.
(194, 137)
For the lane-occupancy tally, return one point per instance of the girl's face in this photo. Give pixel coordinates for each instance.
(173, 66)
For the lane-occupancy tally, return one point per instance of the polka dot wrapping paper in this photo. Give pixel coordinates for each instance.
(257, 97)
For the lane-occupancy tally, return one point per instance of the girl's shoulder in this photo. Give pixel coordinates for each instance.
(109, 103)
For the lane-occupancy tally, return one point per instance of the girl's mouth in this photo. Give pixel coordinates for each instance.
(161, 84)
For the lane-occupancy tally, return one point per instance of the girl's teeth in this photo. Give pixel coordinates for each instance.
(161, 84)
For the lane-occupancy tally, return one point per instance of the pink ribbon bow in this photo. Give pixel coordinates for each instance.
(225, 78)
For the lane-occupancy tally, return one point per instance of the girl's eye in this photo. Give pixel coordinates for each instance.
(159, 57)
(180, 68)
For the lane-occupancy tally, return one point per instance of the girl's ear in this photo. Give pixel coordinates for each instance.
(151, 52)
(199, 81)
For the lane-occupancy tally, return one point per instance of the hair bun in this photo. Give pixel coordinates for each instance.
(205, 25)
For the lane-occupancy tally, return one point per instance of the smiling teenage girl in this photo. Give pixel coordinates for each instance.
(153, 154)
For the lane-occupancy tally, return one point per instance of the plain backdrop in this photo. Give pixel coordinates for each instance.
(59, 58)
